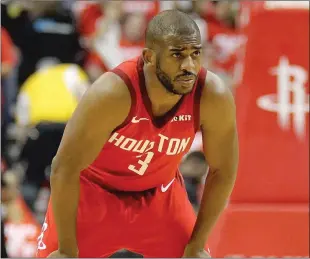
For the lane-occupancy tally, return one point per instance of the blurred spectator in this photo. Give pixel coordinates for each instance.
(133, 26)
(8, 196)
(9, 192)
(8, 55)
(44, 31)
(19, 228)
(114, 32)
(45, 103)
(224, 38)
(4, 253)
(194, 168)
(8, 88)
(98, 20)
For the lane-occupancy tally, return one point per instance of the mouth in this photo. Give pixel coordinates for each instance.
(187, 80)
(187, 84)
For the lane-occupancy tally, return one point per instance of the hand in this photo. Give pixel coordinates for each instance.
(191, 252)
(58, 254)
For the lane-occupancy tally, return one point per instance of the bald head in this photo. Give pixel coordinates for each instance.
(169, 23)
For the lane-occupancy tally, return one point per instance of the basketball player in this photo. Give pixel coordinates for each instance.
(115, 181)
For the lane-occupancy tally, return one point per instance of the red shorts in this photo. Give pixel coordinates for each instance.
(154, 223)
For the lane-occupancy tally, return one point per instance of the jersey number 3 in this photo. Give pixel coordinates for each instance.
(144, 164)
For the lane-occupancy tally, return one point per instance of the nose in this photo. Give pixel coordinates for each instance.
(188, 65)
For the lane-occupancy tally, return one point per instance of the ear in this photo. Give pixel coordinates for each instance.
(148, 56)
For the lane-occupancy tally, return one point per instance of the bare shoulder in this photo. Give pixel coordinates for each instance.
(215, 90)
(105, 105)
(109, 91)
(110, 85)
(217, 102)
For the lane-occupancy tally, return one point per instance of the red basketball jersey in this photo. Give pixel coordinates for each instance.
(145, 151)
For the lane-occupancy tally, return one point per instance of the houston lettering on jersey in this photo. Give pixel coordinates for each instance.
(169, 146)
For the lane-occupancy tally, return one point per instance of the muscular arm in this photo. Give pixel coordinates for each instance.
(103, 107)
(218, 123)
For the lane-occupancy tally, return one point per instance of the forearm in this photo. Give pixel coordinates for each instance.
(65, 189)
(215, 196)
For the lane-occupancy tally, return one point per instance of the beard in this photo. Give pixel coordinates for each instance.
(165, 80)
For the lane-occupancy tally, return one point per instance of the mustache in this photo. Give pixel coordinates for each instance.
(186, 73)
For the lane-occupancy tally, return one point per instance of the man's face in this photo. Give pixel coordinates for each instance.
(178, 62)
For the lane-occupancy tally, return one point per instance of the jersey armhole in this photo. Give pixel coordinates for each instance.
(197, 97)
(131, 89)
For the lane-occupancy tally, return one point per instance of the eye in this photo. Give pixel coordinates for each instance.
(197, 53)
(176, 55)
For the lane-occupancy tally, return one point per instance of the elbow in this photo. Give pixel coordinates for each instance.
(55, 170)
(55, 166)
(62, 171)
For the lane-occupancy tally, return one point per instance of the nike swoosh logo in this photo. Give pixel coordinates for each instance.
(165, 188)
(135, 120)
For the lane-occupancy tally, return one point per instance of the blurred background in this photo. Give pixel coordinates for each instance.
(51, 51)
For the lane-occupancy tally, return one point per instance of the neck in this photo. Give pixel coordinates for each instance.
(162, 100)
